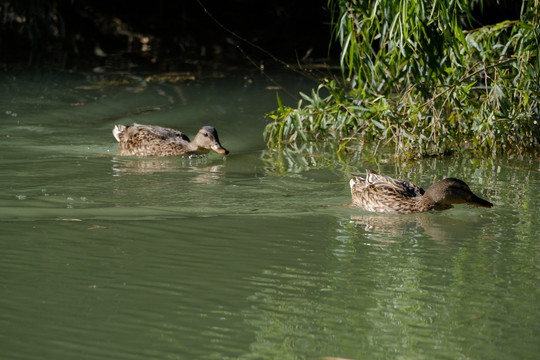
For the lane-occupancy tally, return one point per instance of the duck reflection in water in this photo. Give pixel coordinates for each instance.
(204, 173)
(382, 229)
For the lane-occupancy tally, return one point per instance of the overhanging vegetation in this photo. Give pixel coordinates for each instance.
(419, 76)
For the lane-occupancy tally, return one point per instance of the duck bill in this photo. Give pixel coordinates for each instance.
(219, 149)
(476, 201)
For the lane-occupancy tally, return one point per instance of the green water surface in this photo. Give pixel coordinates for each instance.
(239, 257)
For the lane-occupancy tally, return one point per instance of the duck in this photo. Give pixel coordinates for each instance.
(152, 140)
(381, 193)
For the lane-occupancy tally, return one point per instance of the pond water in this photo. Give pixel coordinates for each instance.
(249, 256)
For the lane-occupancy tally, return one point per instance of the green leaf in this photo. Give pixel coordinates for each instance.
(280, 104)
(378, 124)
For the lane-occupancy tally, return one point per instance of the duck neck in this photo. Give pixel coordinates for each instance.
(192, 147)
(427, 203)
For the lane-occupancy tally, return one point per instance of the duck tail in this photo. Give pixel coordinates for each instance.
(356, 180)
(118, 129)
(372, 176)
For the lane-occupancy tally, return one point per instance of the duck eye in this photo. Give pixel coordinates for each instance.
(206, 134)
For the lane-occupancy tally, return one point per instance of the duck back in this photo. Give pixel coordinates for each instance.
(381, 193)
(149, 140)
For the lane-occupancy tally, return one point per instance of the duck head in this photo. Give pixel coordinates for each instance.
(207, 138)
(452, 191)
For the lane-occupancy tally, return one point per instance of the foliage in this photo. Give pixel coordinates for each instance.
(418, 79)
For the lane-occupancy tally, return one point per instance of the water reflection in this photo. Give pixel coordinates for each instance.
(205, 172)
(384, 228)
(295, 158)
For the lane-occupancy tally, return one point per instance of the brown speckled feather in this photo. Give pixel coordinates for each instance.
(141, 140)
(380, 193)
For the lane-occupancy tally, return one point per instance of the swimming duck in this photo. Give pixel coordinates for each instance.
(380, 193)
(150, 140)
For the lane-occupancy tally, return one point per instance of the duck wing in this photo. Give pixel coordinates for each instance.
(381, 193)
(152, 132)
(398, 186)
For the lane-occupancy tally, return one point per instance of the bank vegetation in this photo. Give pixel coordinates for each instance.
(425, 78)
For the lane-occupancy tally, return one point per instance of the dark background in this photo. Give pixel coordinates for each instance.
(172, 35)
(177, 33)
